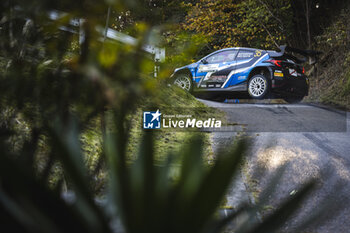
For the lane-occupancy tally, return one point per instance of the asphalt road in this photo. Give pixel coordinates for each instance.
(311, 141)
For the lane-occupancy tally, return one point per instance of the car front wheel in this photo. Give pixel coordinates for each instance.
(184, 81)
(258, 86)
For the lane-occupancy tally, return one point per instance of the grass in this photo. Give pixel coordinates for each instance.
(173, 100)
(170, 100)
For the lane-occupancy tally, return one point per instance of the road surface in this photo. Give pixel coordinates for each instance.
(311, 141)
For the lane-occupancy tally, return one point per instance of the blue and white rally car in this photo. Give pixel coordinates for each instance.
(256, 72)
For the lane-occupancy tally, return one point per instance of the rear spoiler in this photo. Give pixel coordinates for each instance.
(287, 52)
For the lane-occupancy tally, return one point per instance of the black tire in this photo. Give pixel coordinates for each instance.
(184, 81)
(293, 99)
(258, 86)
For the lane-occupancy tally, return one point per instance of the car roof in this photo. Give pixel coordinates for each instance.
(238, 48)
(226, 49)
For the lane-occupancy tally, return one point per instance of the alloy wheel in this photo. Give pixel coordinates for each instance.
(257, 86)
(183, 82)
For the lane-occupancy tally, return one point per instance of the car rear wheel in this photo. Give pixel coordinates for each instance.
(184, 81)
(293, 99)
(258, 86)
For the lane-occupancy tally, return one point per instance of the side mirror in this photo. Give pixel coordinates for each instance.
(204, 61)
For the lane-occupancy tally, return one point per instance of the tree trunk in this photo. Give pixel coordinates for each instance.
(307, 15)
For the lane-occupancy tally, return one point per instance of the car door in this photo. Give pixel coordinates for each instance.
(244, 63)
(212, 68)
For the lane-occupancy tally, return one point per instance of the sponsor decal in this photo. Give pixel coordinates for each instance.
(293, 72)
(218, 78)
(245, 55)
(207, 68)
(278, 74)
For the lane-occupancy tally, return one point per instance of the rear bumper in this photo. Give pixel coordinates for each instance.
(291, 85)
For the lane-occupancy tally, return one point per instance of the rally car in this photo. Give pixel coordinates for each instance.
(254, 71)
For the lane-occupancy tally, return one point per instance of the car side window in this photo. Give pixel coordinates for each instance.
(245, 55)
(225, 56)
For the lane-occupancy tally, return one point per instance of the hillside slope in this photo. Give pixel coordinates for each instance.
(330, 81)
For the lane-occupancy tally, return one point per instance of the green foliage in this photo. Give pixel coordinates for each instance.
(146, 197)
(168, 140)
(185, 48)
(347, 87)
(253, 23)
(332, 83)
(70, 100)
(45, 74)
(336, 35)
(151, 202)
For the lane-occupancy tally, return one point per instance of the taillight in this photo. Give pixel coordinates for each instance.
(303, 70)
(276, 62)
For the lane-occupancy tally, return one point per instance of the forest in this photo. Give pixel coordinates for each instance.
(73, 154)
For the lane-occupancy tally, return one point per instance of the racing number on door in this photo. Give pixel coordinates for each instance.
(257, 53)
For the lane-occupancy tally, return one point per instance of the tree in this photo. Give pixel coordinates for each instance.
(311, 18)
(158, 12)
(253, 23)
